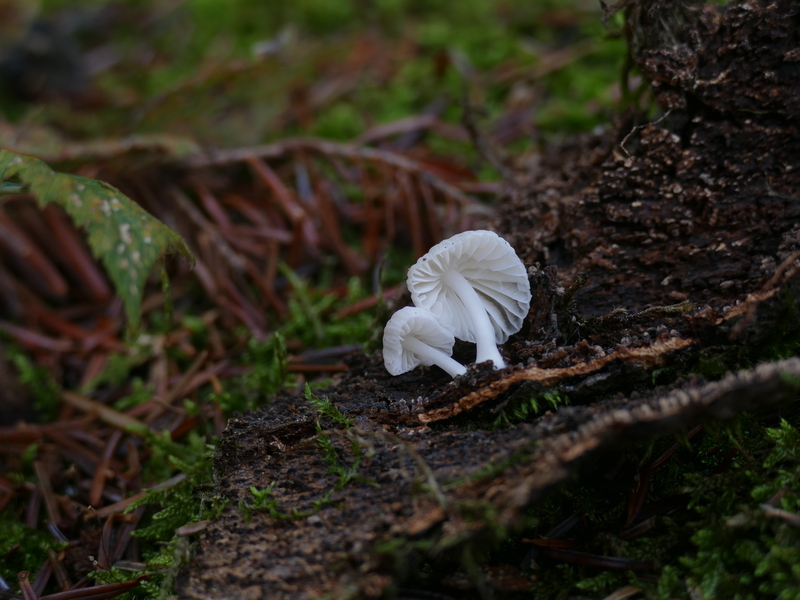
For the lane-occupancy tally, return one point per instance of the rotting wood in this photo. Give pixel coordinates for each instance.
(649, 357)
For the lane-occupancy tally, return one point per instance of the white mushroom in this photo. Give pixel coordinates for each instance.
(476, 286)
(414, 337)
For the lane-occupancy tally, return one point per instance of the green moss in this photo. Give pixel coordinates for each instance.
(188, 501)
(311, 314)
(604, 581)
(139, 394)
(22, 548)
(44, 390)
(517, 412)
(330, 454)
(720, 541)
(268, 373)
(743, 550)
(311, 323)
(262, 500)
(342, 121)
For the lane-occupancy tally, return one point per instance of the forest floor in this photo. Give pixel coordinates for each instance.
(642, 442)
(680, 241)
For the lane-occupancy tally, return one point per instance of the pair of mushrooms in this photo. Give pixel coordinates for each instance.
(473, 287)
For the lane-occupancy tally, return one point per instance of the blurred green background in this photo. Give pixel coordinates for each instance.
(238, 72)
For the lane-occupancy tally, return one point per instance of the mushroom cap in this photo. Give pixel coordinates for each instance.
(494, 270)
(419, 323)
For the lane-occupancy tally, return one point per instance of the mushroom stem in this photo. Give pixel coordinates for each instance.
(482, 327)
(430, 355)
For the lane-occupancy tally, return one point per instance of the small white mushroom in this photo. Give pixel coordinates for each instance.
(476, 286)
(414, 337)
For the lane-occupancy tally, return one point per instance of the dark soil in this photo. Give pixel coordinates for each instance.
(653, 249)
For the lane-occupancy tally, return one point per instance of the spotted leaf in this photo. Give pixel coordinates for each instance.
(126, 239)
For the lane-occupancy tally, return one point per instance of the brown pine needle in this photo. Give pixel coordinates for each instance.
(104, 413)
